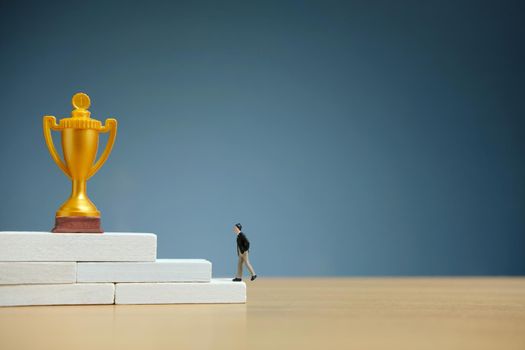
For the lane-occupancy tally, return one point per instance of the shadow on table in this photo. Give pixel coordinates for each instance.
(123, 326)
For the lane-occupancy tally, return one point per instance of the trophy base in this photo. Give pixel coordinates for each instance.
(77, 224)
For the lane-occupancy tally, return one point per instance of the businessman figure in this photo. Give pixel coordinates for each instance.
(243, 245)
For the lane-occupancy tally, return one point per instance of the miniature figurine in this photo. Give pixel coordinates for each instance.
(243, 245)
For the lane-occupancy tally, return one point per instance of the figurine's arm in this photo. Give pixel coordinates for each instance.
(246, 244)
(49, 124)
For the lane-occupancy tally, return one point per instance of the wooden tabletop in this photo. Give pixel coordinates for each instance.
(345, 313)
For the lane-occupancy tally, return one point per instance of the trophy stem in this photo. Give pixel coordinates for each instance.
(78, 203)
(78, 189)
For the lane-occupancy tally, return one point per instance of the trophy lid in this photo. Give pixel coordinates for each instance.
(80, 116)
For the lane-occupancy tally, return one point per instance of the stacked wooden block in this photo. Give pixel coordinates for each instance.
(41, 268)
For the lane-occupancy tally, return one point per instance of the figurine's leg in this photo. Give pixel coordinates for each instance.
(239, 267)
(248, 265)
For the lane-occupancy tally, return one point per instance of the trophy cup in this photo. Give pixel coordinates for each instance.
(80, 136)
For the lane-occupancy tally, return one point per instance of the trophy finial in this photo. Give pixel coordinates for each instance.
(81, 102)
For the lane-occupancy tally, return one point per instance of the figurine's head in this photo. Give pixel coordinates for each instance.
(237, 228)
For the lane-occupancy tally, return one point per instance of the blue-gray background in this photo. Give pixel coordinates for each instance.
(350, 138)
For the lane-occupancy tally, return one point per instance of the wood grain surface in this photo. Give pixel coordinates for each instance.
(347, 313)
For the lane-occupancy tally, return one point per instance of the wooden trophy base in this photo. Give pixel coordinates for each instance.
(77, 224)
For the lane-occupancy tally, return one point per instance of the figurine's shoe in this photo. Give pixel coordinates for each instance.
(236, 279)
(253, 277)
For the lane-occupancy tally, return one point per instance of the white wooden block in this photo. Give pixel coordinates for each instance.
(162, 270)
(46, 246)
(216, 291)
(37, 272)
(57, 294)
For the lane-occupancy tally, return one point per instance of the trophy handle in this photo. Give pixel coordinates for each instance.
(111, 126)
(50, 123)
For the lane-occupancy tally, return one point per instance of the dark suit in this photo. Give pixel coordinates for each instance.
(243, 244)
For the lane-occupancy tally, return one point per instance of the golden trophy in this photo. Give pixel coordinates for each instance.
(80, 136)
